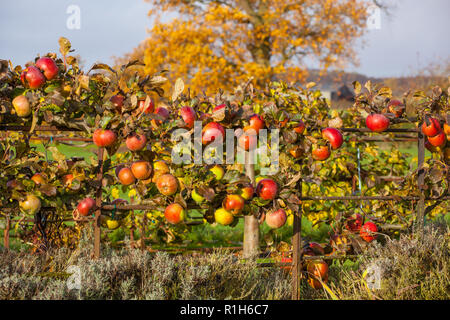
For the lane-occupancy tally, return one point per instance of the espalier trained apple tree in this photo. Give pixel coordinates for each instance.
(129, 113)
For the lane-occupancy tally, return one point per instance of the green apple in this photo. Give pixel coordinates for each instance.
(223, 217)
(218, 172)
(197, 197)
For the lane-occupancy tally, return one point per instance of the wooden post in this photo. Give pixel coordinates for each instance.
(297, 248)
(144, 223)
(251, 224)
(98, 202)
(6, 233)
(420, 181)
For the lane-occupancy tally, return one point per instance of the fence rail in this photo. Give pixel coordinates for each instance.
(298, 258)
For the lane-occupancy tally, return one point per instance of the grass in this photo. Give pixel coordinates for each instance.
(86, 152)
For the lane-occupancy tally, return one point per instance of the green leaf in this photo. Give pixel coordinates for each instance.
(104, 121)
(52, 87)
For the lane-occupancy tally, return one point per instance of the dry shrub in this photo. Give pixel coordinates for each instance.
(411, 268)
(135, 274)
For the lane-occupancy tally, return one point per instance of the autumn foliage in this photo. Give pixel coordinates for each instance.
(215, 43)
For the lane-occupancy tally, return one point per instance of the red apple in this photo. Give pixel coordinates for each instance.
(117, 101)
(104, 138)
(126, 176)
(48, 67)
(354, 222)
(174, 213)
(317, 269)
(432, 129)
(32, 77)
(313, 249)
(438, 140)
(118, 168)
(377, 122)
(321, 153)
(368, 231)
(300, 127)
(233, 203)
(38, 178)
(136, 142)
(220, 106)
(150, 108)
(246, 192)
(188, 115)
(217, 111)
(276, 219)
(282, 123)
(141, 170)
(396, 107)
(167, 184)
(248, 141)
(21, 106)
(266, 189)
(67, 180)
(212, 131)
(334, 136)
(256, 123)
(85, 206)
(162, 112)
(447, 129)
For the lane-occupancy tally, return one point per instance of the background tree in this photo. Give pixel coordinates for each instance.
(212, 43)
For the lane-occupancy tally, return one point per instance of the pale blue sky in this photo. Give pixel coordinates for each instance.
(415, 34)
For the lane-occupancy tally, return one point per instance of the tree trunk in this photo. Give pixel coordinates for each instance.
(260, 49)
(251, 224)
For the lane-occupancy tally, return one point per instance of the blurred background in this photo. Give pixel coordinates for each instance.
(407, 39)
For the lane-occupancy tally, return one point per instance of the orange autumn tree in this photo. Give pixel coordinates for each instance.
(221, 43)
